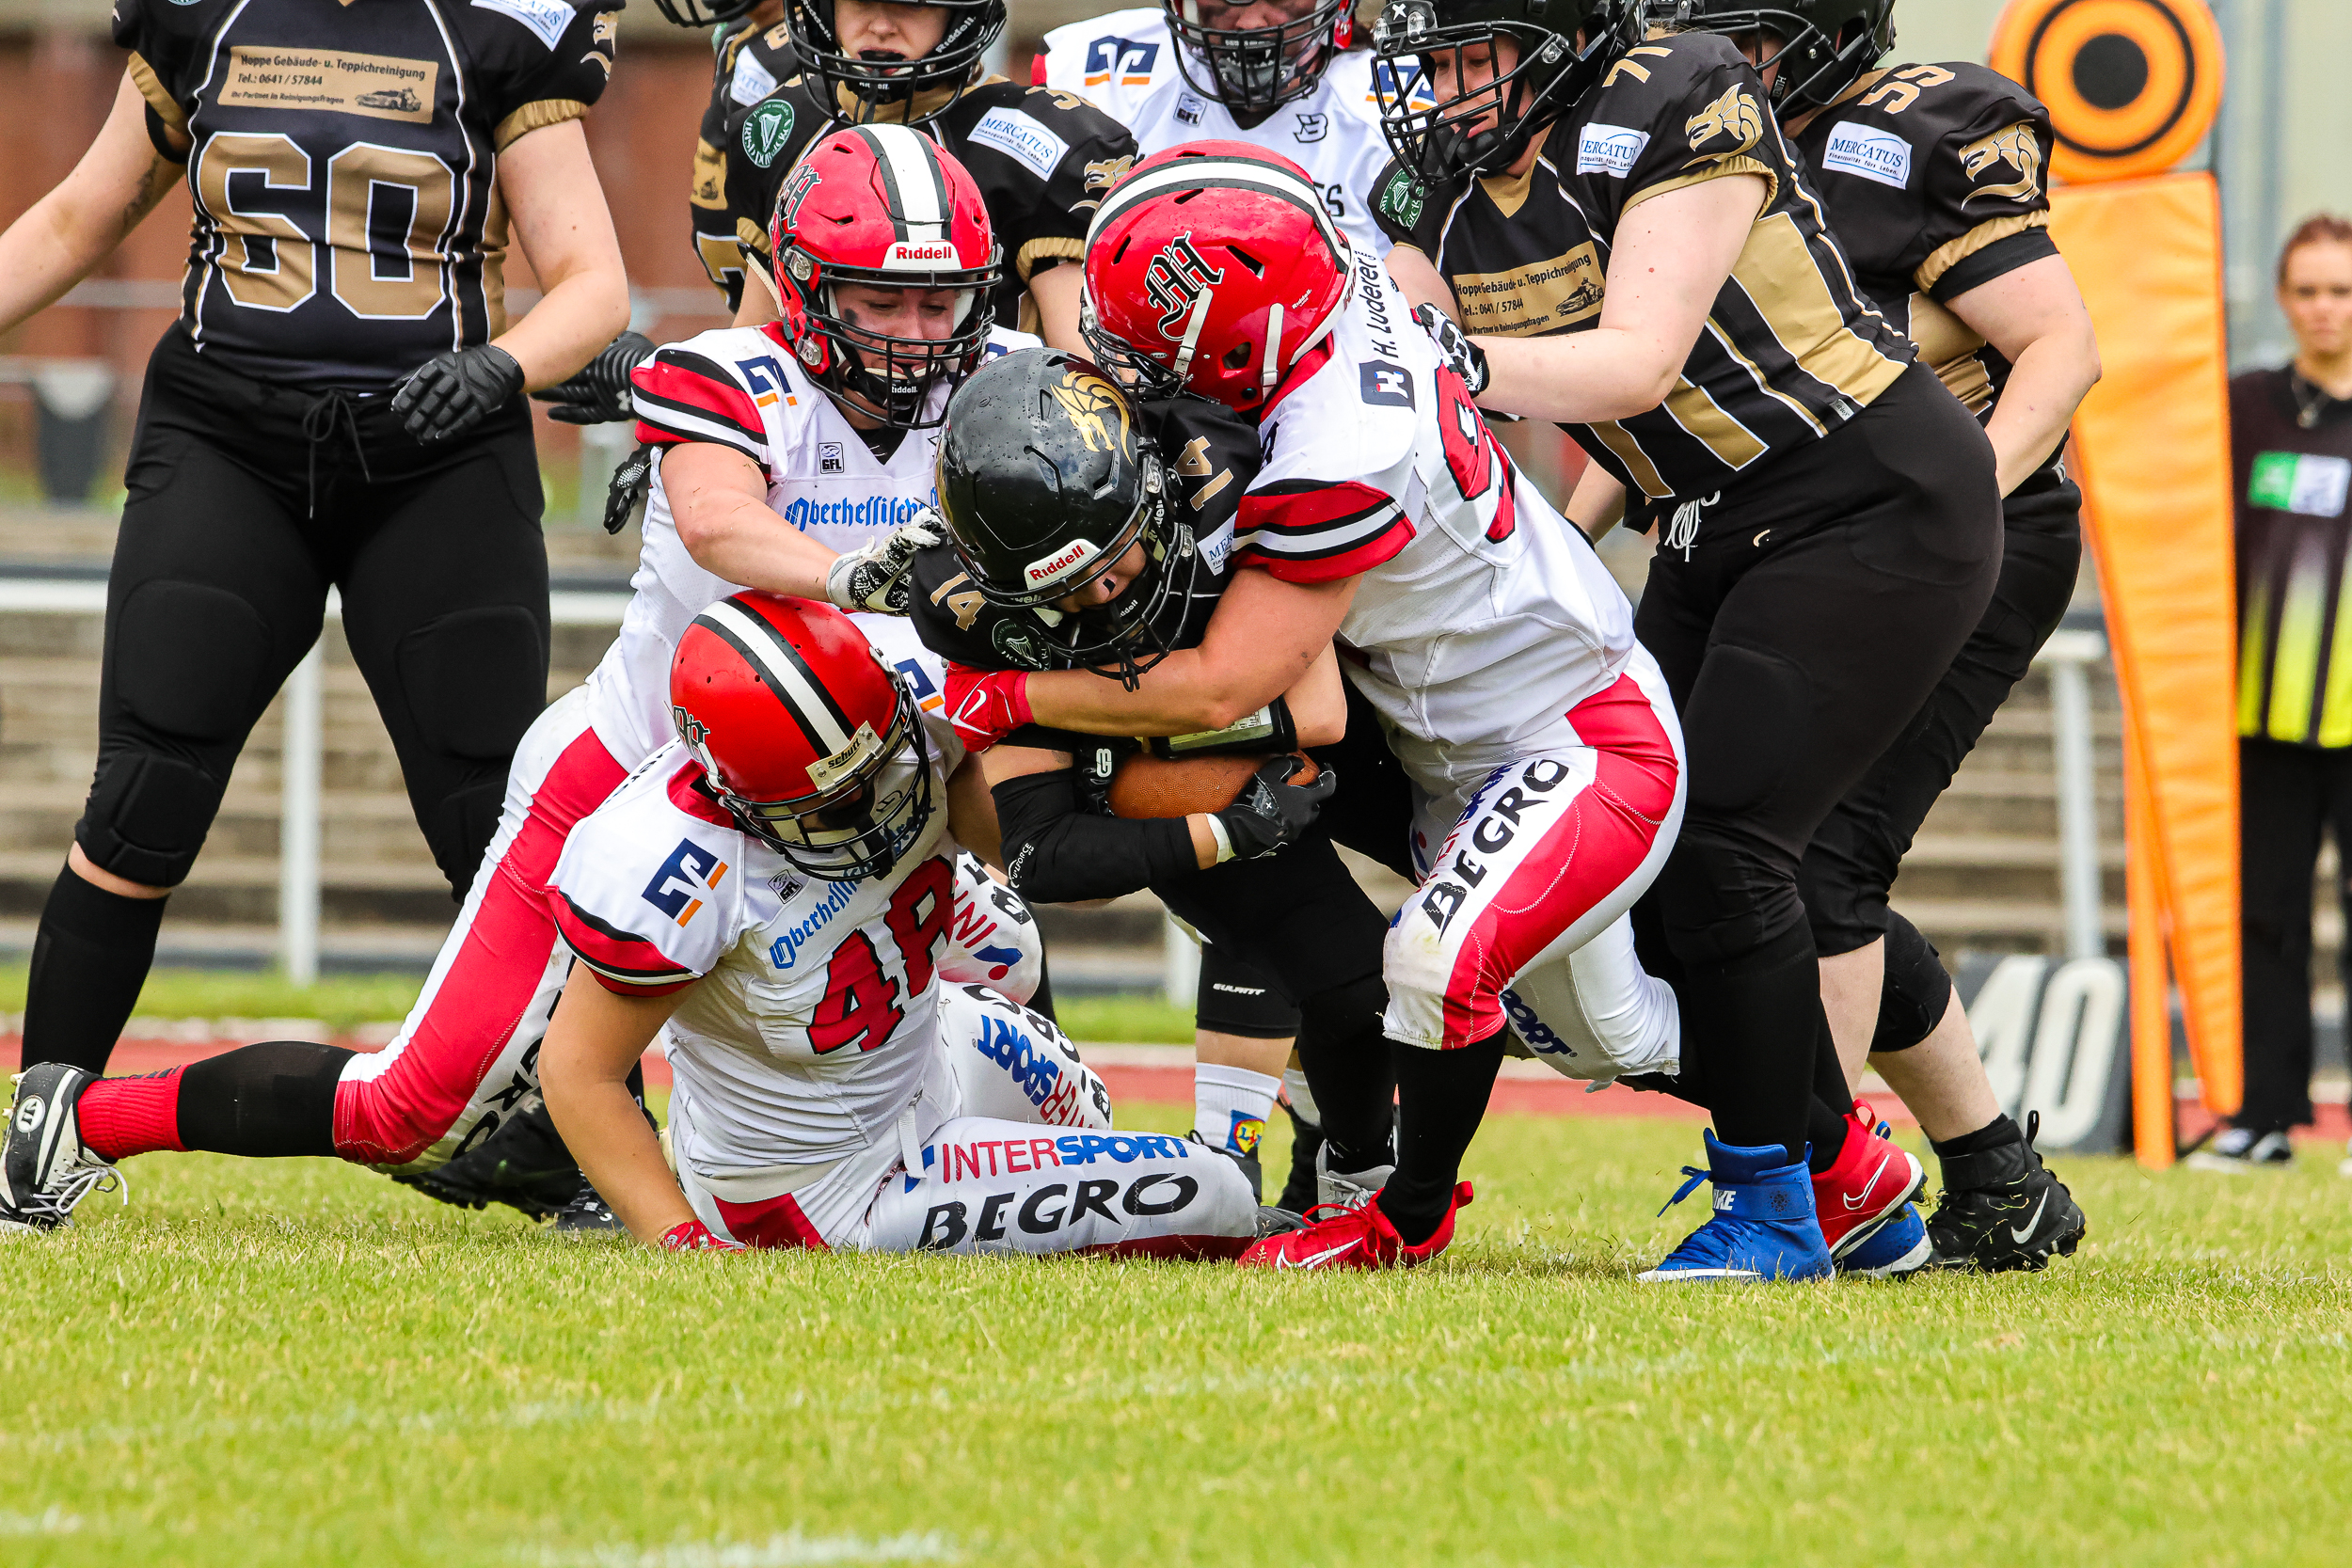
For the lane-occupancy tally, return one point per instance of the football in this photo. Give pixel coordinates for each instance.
(1146, 785)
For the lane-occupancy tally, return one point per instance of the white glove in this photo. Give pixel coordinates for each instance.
(876, 577)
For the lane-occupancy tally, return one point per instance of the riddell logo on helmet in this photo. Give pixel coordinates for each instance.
(905, 255)
(1060, 563)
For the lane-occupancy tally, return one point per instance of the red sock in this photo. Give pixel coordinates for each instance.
(122, 1116)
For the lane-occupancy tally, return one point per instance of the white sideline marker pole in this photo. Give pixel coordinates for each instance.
(298, 818)
(2081, 887)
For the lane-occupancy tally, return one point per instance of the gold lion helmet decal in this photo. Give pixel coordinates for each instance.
(2017, 146)
(1089, 402)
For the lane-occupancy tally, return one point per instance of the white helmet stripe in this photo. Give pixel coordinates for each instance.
(815, 708)
(1185, 174)
(911, 179)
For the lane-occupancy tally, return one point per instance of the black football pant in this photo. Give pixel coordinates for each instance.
(2287, 794)
(246, 503)
(1823, 599)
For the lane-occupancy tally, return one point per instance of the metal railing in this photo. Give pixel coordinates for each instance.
(2066, 656)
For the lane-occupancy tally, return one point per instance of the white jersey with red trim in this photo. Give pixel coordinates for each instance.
(1125, 62)
(1483, 615)
(812, 1027)
(740, 388)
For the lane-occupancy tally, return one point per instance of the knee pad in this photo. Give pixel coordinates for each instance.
(1915, 992)
(1237, 999)
(147, 816)
(459, 830)
(1721, 901)
(189, 660)
(1749, 716)
(475, 680)
(1342, 1013)
(264, 1101)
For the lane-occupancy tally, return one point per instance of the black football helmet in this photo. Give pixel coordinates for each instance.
(859, 89)
(1561, 47)
(1046, 478)
(1825, 45)
(1255, 70)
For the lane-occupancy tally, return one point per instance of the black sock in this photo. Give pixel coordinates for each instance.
(1757, 1027)
(263, 1101)
(1441, 1098)
(1042, 1003)
(1992, 1136)
(1830, 1118)
(1351, 1071)
(89, 960)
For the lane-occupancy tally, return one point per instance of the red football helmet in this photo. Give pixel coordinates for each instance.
(806, 736)
(881, 207)
(1213, 268)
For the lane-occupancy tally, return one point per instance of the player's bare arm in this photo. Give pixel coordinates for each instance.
(78, 224)
(2035, 318)
(597, 1036)
(1672, 255)
(1265, 638)
(564, 228)
(720, 500)
(1419, 281)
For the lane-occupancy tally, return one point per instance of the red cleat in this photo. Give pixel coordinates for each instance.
(1337, 1238)
(1867, 1186)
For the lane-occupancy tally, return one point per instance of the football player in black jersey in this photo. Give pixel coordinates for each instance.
(336, 408)
(1633, 251)
(752, 56)
(1089, 532)
(1935, 178)
(1042, 158)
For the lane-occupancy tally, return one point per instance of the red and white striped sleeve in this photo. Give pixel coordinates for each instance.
(1311, 531)
(645, 895)
(684, 396)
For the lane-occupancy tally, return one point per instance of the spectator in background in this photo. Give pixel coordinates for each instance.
(2291, 436)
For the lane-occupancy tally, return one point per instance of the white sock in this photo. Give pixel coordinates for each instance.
(1302, 1098)
(1229, 1105)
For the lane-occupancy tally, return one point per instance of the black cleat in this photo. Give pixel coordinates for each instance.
(1299, 1193)
(523, 1163)
(2004, 1210)
(44, 1169)
(587, 1214)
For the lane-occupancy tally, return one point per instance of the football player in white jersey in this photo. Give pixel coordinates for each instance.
(1498, 651)
(1278, 73)
(797, 457)
(775, 888)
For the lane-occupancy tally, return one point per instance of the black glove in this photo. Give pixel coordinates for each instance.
(599, 392)
(626, 492)
(1467, 360)
(1271, 811)
(452, 392)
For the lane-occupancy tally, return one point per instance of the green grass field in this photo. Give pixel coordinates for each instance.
(299, 1364)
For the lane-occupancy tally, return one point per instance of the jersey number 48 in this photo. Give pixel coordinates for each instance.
(861, 1005)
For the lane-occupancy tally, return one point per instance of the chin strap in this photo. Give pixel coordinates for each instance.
(1192, 333)
(1273, 370)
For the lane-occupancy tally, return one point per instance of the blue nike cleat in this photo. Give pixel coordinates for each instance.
(1763, 1226)
(1895, 1250)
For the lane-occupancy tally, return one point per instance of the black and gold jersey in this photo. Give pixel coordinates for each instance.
(751, 61)
(1935, 178)
(343, 161)
(1211, 454)
(1790, 348)
(1042, 158)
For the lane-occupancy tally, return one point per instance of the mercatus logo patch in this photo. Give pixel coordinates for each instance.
(1610, 150)
(1869, 152)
